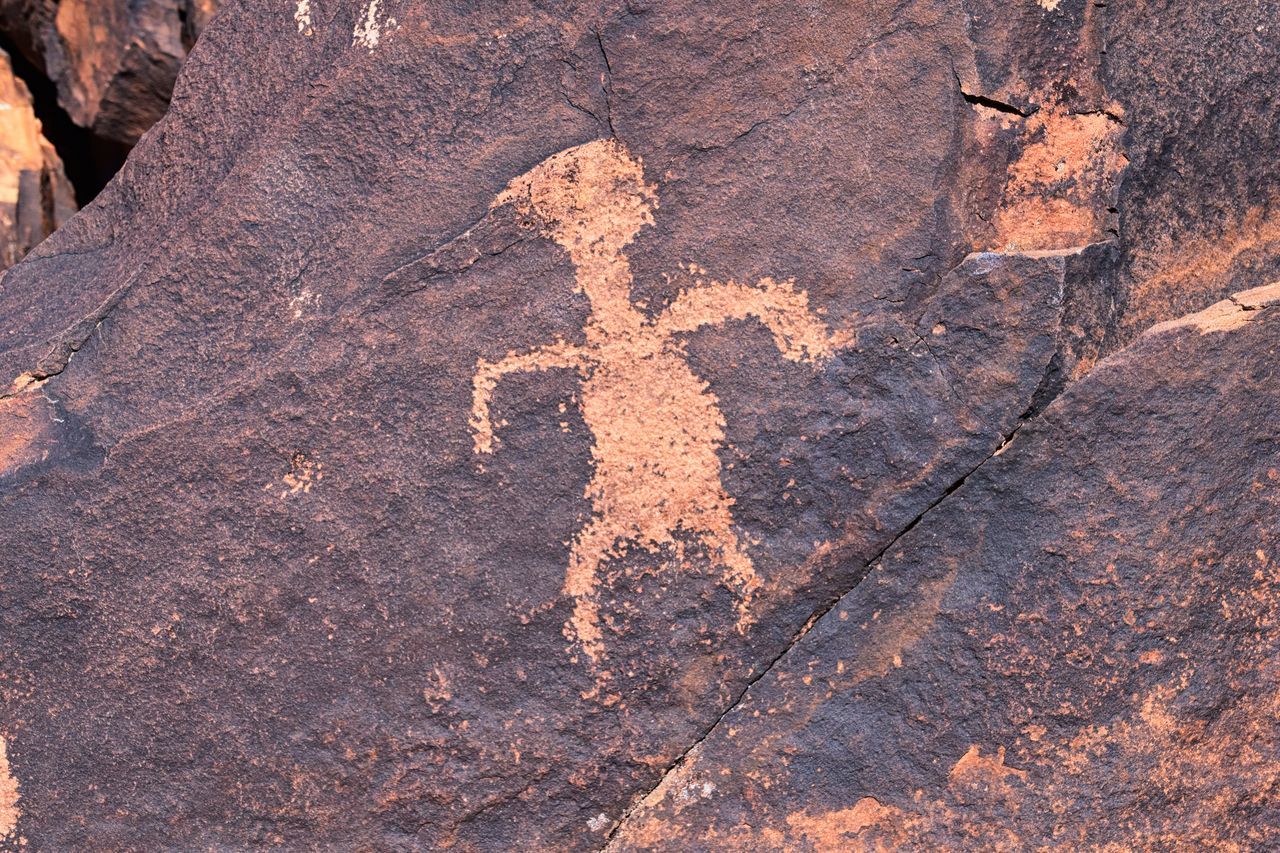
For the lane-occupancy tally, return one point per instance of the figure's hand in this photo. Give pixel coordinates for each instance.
(483, 385)
(557, 354)
(798, 332)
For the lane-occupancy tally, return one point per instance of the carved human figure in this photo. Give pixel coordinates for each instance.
(656, 425)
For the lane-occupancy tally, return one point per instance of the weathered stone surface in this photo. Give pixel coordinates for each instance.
(114, 63)
(1077, 649)
(1198, 206)
(1140, 124)
(35, 197)
(451, 409)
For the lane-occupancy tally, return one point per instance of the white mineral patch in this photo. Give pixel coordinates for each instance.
(302, 17)
(369, 30)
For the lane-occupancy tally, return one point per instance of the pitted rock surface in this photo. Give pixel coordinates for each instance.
(453, 423)
(1075, 650)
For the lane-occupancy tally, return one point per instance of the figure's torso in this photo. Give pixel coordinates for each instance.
(657, 430)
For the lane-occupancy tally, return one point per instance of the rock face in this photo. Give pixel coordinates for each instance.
(114, 63)
(1076, 650)
(35, 197)
(657, 425)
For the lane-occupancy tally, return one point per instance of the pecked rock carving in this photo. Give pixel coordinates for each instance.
(656, 425)
(9, 796)
(269, 581)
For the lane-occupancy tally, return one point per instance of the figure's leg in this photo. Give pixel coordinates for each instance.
(591, 548)
(718, 535)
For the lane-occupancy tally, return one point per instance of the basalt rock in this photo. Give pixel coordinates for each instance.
(456, 419)
(1076, 650)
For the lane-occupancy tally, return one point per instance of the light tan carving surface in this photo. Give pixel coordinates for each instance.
(9, 796)
(1058, 190)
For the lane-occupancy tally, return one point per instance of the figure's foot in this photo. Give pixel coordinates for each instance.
(583, 628)
(742, 574)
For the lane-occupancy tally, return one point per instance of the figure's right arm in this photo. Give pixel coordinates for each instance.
(488, 374)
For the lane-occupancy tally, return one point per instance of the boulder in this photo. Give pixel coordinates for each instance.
(114, 64)
(453, 419)
(1075, 650)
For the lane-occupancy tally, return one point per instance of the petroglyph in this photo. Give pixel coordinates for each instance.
(657, 427)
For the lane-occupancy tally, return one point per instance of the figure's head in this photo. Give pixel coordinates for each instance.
(592, 199)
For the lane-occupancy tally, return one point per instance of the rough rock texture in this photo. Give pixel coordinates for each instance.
(1077, 649)
(114, 63)
(452, 410)
(1198, 206)
(35, 197)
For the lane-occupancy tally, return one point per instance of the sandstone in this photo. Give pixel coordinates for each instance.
(114, 63)
(1075, 650)
(35, 197)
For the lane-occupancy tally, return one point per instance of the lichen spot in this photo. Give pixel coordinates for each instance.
(1049, 5)
(303, 302)
(9, 796)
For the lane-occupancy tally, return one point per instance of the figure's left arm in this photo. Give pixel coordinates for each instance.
(800, 334)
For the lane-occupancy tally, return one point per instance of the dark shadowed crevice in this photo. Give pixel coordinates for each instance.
(89, 160)
(993, 104)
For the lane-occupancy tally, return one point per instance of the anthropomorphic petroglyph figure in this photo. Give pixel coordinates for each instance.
(657, 427)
